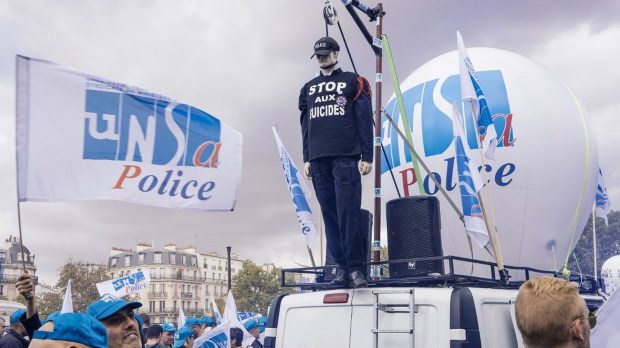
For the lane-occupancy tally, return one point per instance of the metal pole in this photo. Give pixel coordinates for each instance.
(376, 245)
(229, 272)
(594, 244)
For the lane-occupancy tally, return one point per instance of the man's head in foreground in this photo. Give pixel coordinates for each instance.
(118, 318)
(551, 313)
(71, 330)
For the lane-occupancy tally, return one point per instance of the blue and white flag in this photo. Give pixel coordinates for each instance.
(82, 137)
(471, 93)
(218, 337)
(216, 312)
(129, 284)
(602, 199)
(470, 183)
(299, 190)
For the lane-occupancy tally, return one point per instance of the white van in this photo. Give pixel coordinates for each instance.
(436, 315)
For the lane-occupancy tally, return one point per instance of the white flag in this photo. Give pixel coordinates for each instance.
(82, 137)
(67, 303)
(471, 93)
(218, 337)
(216, 312)
(230, 315)
(470, 183)
(129, 284)
(299, 190)
(181, 321)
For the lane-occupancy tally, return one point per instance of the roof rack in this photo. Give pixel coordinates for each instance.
(317, 278)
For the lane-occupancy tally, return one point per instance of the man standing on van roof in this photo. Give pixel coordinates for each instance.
(337, 129)
(551, 314)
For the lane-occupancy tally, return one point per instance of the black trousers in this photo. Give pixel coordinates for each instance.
(338, 187)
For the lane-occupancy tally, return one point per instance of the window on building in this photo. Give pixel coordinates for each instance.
(213, 275)
(2, 290)
(196, 306)
(183, 259)
(193, 260)
(162, 288)
(213, 267)
(141, 259)
(153, 272)
(173, 258)
(157, 257)
(113, 262)
(195, 275)
(162, 306)
(151, 306)
(2, 257)
(152, 288)
(127, 260)
(174, 305)
(162, 272)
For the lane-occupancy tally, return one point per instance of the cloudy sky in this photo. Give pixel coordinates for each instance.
(244, 62)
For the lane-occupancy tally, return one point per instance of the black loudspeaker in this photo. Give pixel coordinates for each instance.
(414, 231)
(330, 273)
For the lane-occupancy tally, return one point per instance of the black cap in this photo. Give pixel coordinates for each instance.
(325, 46)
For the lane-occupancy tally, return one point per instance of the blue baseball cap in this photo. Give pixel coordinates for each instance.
(207, 321)
(183, 334)
(191, 321)
(250, 325)
(76, 327)
(16, 316)
(262, 323)
(168, 327)
(108, 305)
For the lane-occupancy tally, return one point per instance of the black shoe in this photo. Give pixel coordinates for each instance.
(358, 280)
(342, 279)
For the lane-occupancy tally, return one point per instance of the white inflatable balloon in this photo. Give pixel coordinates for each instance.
(610, 272)
(543, 180)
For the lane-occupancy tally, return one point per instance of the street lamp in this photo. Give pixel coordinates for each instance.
(229, 278)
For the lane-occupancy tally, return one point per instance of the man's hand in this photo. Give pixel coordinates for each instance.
(25, 286)
(307, 171)
(365, 167)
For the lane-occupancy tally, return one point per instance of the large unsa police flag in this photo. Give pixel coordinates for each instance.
(82, 137)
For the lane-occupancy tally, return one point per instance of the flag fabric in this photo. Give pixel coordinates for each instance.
(602, 199)
(607, 330)
(82, 137)
(218, 337)
(181, 321)
(299, 190)
(470, 183)
(67, 303)
(216, 312)
(129, 284)
(231, 315)
(471, 92)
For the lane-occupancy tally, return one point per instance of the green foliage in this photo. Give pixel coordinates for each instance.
(607, 245)
(83, 278)
(254, 288)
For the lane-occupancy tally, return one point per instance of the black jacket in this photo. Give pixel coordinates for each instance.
(13, 340)
(336, 116)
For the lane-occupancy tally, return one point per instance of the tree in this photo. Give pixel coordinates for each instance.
(254, 288)
(607, 245)
(83, 278)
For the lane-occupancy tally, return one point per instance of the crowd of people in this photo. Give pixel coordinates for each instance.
(108, 322)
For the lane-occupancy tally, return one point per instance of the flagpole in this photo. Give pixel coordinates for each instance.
(594, 242)
(493, 235)
(311, 256)
(19, 219)
(430, 175)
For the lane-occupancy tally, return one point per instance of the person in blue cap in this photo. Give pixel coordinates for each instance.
(167, 336)
(184, 338)
(71, 330)
(194, 325)
(119, 320)
(251, 326)
(262, 324)
(14, 337)
(207, 324)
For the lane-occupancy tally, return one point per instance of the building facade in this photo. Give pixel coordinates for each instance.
(11, 267)
(180, 278)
